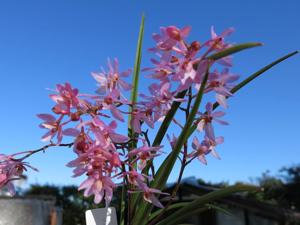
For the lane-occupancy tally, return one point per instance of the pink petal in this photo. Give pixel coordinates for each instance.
(113, 125)
(221, 99)
(215, 154)
(155, 201)
(47, 117)
(118, 138)
(86, 184)
(98, 197)
(202, 159)
(219, 140)
(195, 143)
(185, 31)
(200, 125)
(11, 188)
(213, 33)
(125, 85)
(218, 114)
(48, 136)
(227, 32)
(71, 132)
(221, 122)
(209, 107)
(116, 113)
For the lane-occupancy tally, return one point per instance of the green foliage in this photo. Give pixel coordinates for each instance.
(282, 190)
(199, 204)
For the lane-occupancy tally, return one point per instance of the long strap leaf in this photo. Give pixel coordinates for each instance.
(136, 74)
(171, 207)
(185, 211)
(133, 98)
(233, 49)
(183, 204)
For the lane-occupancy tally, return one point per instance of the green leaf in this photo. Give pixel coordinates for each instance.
(134, 94)
(248, 80)
(171, 207)
(233, 49)
(261, 71)
(136, 74)
(191, 213)
(183, 204)
(220, 209)
(185, 224)
(198, 203)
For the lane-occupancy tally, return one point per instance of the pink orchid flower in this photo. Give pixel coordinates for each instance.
(200, 150)
(160, 100)
(221, 83)
(217, 43)
(54, 126)
(105, 133)
(212, 143)
(149, 195)
(109, 102)
(144, 154)
(163, 68)
(207, 118)
(112, 79)
(11, 169)
(99, 186)
(66, 99)
(134, 177)
(169, 37)
(205, 147)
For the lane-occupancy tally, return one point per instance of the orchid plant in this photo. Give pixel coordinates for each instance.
(183, 73)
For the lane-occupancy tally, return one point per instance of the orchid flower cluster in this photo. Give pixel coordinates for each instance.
(107, 158)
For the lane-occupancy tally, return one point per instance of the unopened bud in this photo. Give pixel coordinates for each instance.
(195, 46)
(56, 110)
(174, 33)
(75, 116)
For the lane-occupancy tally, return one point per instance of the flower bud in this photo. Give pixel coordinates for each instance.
(75, 116)
(56, 110)
(174, 33)
(195, 45)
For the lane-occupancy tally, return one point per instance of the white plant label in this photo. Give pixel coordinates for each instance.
(101, 216)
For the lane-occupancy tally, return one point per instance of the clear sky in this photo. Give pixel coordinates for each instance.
(47, 42)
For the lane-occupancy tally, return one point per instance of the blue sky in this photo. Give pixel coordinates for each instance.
(47, 42)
